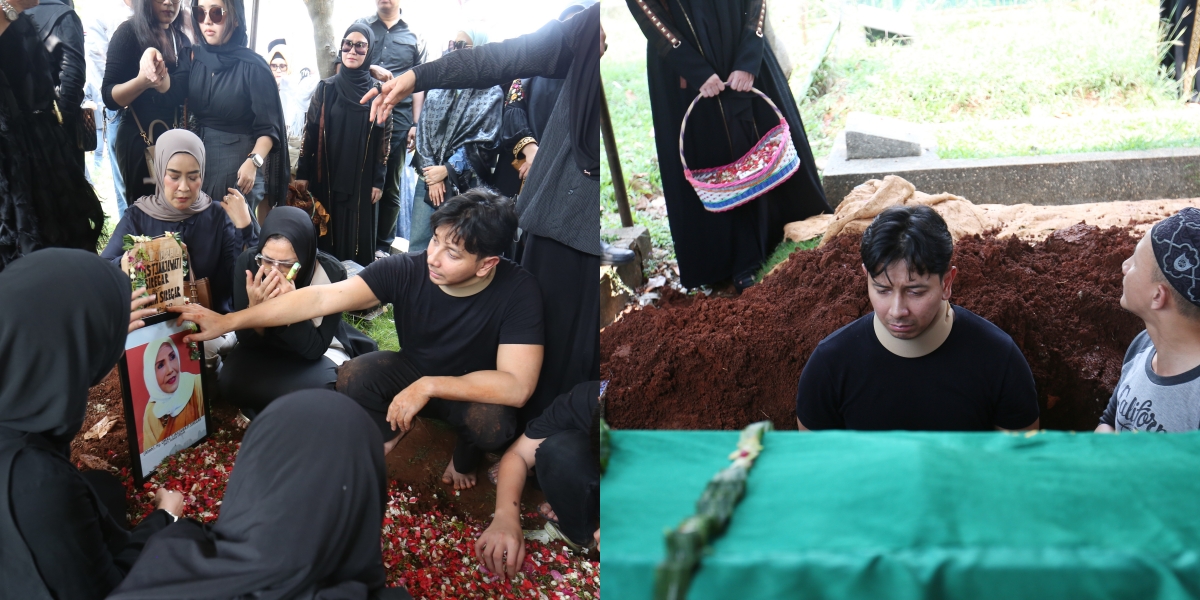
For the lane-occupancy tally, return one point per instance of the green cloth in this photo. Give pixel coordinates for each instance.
(915, 515)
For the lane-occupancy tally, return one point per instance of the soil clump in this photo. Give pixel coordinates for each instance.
(719, 363)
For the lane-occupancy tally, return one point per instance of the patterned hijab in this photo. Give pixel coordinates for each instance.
(451, 119)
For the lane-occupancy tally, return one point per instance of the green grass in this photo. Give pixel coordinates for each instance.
(382, 329)
(1043, 61)
(782, 252)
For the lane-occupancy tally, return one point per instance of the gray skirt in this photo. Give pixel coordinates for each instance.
(224, 155)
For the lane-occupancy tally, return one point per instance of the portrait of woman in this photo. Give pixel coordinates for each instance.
(175, 399)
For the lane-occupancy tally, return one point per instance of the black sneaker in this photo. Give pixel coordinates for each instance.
(612, 256)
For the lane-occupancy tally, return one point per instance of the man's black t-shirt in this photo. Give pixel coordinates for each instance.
(976, 380)
(443, 335)
(569, 411)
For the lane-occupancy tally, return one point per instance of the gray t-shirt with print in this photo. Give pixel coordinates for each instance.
(1146, 401)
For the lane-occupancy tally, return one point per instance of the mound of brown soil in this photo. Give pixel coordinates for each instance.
(708, 363)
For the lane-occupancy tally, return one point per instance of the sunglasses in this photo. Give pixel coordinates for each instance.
(360, 48)
(216, 13)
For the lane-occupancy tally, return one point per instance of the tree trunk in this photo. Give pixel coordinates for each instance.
(321, 11)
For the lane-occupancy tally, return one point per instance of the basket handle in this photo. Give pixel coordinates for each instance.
(683, 126)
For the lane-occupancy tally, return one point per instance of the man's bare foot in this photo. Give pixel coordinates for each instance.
(390, 445)
(547, 512)
(460, 481)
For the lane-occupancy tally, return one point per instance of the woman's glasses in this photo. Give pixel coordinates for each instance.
(360, 48)
(280, 265)
(279, 66)
(216, 13)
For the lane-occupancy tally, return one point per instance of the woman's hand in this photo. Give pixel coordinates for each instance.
(530, 151)
(435, 174)
(412, 138)
(136, 312)
(267, 283)
(437, 193)
(712, 87)
(741, 81)
(381, 73)
(152, 68)
(376, 194)
(235, 206)
(245, 176)
(170, 501)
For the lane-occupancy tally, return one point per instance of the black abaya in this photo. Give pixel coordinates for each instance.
(720, 37)
(62, 330)
(301, 515)
(335, 130)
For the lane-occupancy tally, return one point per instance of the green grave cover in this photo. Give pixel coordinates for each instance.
(915, 515)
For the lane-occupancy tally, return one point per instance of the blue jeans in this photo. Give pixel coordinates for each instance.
(113, 119)
(421, 211)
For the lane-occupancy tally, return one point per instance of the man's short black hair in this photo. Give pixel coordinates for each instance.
(914, 234)
(482, 219)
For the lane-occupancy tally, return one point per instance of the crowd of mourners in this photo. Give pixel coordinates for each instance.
(288, 192)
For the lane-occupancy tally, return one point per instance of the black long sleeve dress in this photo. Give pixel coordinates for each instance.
(699, 38)
(122, 65)
(346, 196)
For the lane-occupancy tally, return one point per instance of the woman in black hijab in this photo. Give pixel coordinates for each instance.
(695, 46)
(301, 516)
(269, 363)
(344, 155)
(58, 538)
(232, 93)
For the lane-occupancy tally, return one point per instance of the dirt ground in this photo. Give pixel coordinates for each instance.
(722, 363)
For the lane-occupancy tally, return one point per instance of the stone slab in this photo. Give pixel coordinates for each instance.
(1057, 179)
(881, 23)
(636, 238)
(875, 136)
(613, 297)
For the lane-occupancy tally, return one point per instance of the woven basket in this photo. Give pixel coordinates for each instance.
(769, 163)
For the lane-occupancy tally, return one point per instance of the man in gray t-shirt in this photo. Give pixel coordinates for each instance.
(1159, 389)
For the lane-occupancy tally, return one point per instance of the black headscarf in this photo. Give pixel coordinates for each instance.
(295, 225)
(584, 80)
(62, 329)
(349, 123)
(353, 84)
(301, 515)
(234, 49)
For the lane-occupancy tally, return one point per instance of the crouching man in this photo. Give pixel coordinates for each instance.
(1159, 389)
(917, 362)
(469, 324)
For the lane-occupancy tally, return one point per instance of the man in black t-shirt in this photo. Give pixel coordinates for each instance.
(917, 362)
(563, 443)
(469, 323)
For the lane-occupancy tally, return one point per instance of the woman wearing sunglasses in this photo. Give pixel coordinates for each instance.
(145, 54)
(268, 363)
(232, 93)
(344, 155)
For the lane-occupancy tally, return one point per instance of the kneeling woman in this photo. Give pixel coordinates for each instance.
(268, 363)
(214, 233)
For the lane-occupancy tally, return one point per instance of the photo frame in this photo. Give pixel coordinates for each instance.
(164, 388)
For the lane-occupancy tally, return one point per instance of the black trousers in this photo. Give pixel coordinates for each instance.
(251, 378)
(374, 379)
(571, 305)
(568, 474)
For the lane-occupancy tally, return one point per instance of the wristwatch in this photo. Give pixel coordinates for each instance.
(256, 159)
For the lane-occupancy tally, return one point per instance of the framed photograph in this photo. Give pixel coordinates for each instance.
(163, 385)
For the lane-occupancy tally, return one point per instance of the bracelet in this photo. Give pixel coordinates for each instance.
(525, 141)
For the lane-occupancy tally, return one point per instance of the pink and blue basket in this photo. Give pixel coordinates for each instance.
(769, 163)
